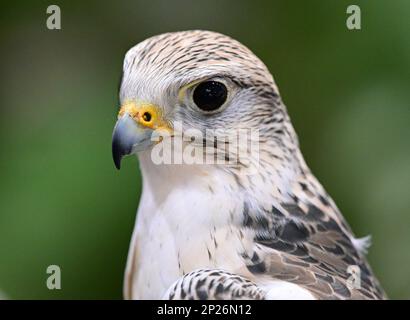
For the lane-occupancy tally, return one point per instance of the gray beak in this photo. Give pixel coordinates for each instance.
(129, 137)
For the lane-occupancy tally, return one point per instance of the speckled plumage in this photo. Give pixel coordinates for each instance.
(273, 232)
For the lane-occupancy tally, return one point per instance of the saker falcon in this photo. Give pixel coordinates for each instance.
(214, 230)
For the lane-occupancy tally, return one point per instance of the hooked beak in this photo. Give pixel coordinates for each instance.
(134, 129)
(128, 137)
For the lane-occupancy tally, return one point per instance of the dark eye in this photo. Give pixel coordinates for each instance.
(210, 95)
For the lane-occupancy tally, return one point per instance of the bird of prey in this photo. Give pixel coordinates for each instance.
(215, 229)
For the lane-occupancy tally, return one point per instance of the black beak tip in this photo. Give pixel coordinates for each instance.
(116, 155)
(117, 162)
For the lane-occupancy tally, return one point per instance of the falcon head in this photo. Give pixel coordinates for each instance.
(201, 80)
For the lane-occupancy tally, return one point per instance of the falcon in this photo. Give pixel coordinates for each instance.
(239, 224)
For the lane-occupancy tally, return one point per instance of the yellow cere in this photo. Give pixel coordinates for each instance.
(146, 114)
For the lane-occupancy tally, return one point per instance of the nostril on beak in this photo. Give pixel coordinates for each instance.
(147, 116)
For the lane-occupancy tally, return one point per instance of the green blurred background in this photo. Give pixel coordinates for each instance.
(62, 201)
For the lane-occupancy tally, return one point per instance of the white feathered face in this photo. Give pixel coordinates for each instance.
(196, 82)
